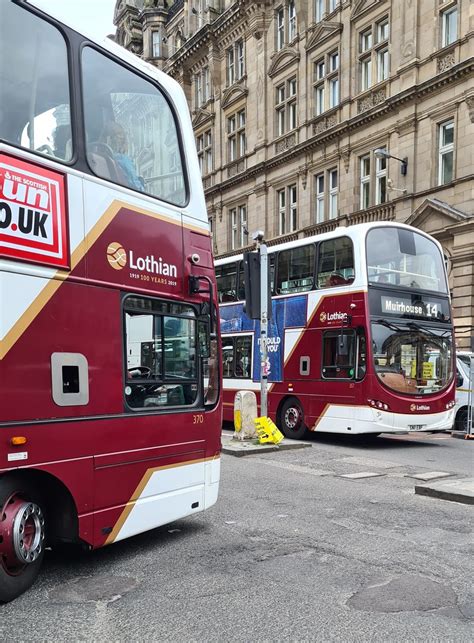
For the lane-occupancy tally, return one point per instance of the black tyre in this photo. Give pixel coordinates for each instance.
(461, 420)
(22, 538)
(291, 422)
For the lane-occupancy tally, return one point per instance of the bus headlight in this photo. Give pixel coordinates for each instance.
(377, 404)
(450, 405)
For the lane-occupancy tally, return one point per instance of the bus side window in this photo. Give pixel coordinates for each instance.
(226, 277)
(295, 270)
(335, 263)
(338, 355)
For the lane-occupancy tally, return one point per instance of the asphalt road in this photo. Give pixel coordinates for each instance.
(291, 552)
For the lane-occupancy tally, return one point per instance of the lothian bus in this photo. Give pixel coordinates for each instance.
(361, 336)
(110, 410)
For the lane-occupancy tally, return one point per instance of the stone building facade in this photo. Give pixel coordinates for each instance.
(296, 105)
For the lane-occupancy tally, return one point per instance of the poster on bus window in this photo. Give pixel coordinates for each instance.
(33, 216)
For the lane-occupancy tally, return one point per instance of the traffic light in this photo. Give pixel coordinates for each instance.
(252, 286)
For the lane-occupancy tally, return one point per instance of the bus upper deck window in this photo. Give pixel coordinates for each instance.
(335, 263)
(35, 106)
(131, 134)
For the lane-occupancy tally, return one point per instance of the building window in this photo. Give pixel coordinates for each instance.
(326, 187)
(365, 182)
(449, 26)
(333, 188)
(287, 209)
(446, 152)
(286, 117)
(236, 142)
(291, 20)
(320, 198)
(326, 82)
(373, 171)
(155, 44)
(238, 226)
(280, 27)
(204, 149)
(202, 82)
(322, 7)
(380, 180)
(286, 24)
(374, 61)
(235, 62)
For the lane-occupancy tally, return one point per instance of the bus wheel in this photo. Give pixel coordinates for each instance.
(292, 419)
(22, 539)
(461, 420)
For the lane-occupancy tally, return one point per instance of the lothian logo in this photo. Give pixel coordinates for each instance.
(118, 258)
(322, 317)
(116, 255)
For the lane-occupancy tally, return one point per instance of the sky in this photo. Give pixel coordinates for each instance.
(92, 16)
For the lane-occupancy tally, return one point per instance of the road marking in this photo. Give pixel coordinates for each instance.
(429, 475)
(362, 474)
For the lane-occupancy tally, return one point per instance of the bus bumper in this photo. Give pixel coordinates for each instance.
(365, 419)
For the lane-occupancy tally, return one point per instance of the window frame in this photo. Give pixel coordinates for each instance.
(236, 135)
(336, 333)
(373, 46)
(79, 121)
(445, 39)
(287, 209)
(233, 339)
(286, 102)
(238, 225)
(325, 78)
(198, 380)
(445, 150)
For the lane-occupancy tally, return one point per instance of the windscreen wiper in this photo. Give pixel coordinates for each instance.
(384, 322)
(428, 331)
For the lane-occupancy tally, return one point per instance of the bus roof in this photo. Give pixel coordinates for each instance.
(355, 231)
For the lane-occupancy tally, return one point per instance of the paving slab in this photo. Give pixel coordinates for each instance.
(362, 474)
(429, 475)
(454, 490)
(240, 448)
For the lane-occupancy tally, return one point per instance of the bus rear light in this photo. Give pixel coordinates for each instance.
(377, 404)
(18, 440)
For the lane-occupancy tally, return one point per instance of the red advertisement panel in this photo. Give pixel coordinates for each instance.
(33, 216)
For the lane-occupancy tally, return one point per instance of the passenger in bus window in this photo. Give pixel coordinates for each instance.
(114, 136)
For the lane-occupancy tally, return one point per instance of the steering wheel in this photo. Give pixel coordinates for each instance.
(139, 372)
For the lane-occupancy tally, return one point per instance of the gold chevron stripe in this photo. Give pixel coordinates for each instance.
(139, 490)
(60, 276)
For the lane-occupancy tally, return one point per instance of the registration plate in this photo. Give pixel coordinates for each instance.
(416, 427)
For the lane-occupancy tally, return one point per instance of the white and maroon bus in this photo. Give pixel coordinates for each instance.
(110, 411)
(361, 336)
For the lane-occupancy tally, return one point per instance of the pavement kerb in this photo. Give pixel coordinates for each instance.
(240, 448)
(454, 490)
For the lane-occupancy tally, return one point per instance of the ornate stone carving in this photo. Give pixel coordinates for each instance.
(446, 62)
(324, 123)
(236, 168)
(373, 99)
(470, 107)
(345, 155)
(285, 143)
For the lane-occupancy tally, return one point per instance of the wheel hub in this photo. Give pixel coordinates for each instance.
(292, 417)
(21, 533)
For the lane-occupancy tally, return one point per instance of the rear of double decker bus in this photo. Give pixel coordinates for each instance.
(110, 410)
(410, 350)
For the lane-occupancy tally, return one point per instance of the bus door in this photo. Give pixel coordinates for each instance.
(338, 370)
